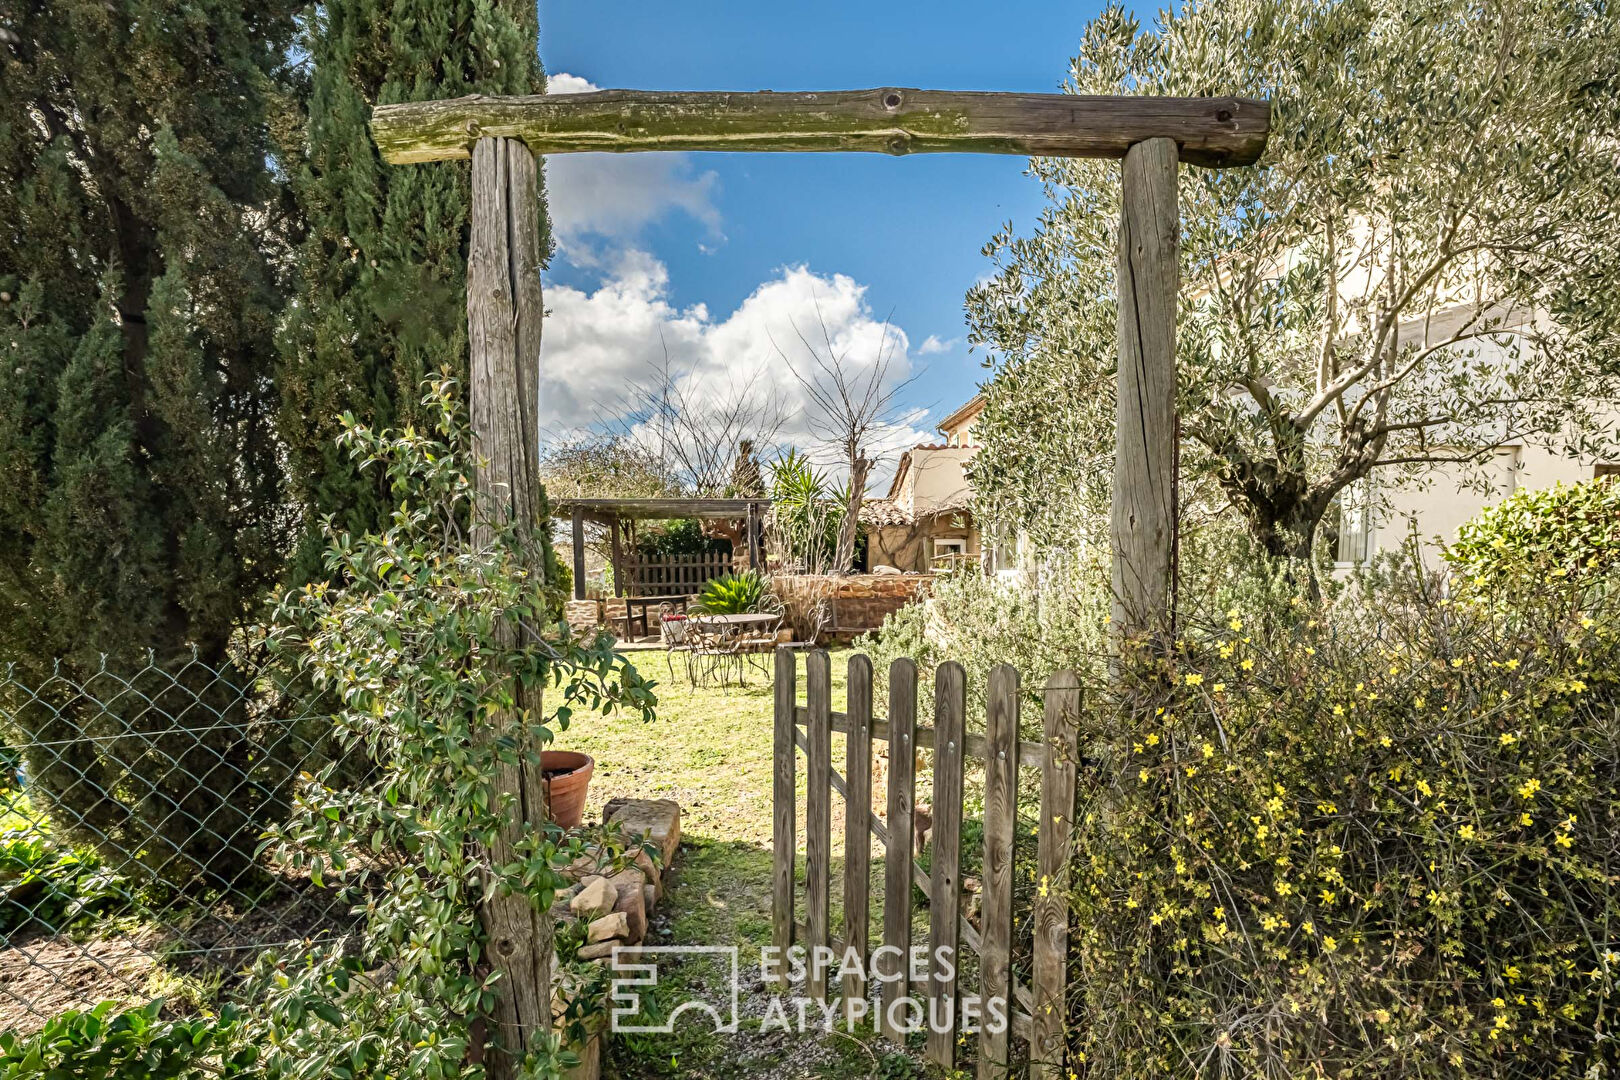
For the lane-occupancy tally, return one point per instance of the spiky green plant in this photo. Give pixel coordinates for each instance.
(736, 594)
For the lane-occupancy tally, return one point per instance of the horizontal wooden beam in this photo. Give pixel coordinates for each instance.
(1214, 132)
(602, 509)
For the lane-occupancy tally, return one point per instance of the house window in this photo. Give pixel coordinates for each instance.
(1607, 469)
(949, 554)
(1004, 553)
(1356, 530)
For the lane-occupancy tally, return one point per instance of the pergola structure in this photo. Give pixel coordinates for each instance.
(614, 513)
(1151, 136)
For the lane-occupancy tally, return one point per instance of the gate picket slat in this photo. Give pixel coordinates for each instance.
(950, 713)
(857, 830)
(1000, 815)
(897, 868)
(818, 813)
(783, 808)
(1058, 770)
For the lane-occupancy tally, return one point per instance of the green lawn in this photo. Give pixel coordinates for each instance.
(710, 750)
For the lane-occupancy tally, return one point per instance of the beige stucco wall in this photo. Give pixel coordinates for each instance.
(935, 479)
(1442, 499)
(911, 547)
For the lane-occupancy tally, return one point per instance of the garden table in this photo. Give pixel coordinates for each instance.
(719, 639)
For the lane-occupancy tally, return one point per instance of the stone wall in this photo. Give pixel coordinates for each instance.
(856, 602)
(583, 616)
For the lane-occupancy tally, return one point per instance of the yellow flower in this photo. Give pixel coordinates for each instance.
(1586, 622)
(1564, 840)
(1338, 710)
(1329, 945)
(1193, 679)
(1507, 738)
(1528, 789)
(1526, 819)
(1220, 687)
(1247, 665)
(1153, 740)
(1209, 751)
(1466, 832)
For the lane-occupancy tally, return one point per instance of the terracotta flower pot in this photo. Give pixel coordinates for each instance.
(567, 776)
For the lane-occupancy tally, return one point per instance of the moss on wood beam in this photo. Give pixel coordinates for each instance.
(1213, 132)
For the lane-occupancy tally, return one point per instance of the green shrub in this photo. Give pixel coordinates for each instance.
(1376, 838)
(50, 887)
(411, 640)
(1038, 626)
(678, 536)
(133, 1045)
(735, 594)
(1568, 531)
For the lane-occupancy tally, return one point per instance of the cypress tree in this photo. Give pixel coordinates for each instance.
(141, 481)
(140, 224)
(382, 273)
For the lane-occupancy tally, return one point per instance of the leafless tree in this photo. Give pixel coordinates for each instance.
(852, 412)
(697, 430)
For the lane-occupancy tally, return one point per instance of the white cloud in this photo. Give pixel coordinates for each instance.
(615, 196)
(600, 345)
(932, 345)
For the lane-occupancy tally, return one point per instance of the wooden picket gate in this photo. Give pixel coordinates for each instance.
(1036, 1011)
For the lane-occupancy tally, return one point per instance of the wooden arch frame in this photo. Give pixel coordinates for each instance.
(1151, 136)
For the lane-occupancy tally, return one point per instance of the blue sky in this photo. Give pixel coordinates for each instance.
(698, 248)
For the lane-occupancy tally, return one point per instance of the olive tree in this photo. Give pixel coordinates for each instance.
(1421, 269)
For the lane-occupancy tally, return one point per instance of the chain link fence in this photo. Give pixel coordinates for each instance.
(133, 802)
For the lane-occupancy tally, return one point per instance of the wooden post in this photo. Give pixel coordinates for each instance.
(1000, 818)
(783, 798)
(1143, 517)
(1056, 836)
(503, 322)
(945, 885)
(818, 816)
(579, 552)
(755, 562)
(857, 832)
(894, 965)
(618, 561)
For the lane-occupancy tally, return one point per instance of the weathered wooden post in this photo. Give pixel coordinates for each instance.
(577, 531)
(1143, 514)
(503, 325)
